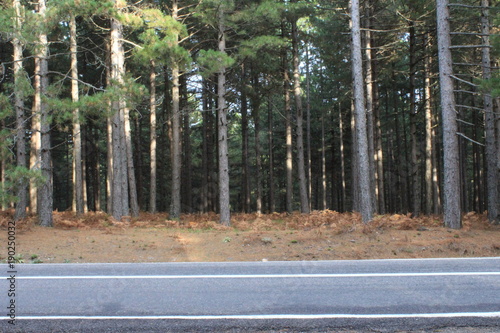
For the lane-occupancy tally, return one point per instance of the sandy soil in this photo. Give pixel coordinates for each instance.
(324, 235)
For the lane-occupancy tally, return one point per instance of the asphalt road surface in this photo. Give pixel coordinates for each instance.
(321, 296)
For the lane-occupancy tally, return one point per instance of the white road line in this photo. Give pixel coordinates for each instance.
(270, 316)
(255, 276)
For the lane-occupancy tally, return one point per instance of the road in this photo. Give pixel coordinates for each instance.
(257, 296)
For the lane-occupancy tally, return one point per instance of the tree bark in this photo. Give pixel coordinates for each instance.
(288, 128)
(452, 211)
(176, 152)
(152, 136)
(120, 190)
(270, 123)
(415, 172)
(258, 159)
(489, 123)
(360, 116)
(244, 153)
(77, 138)
(187, 201)
(370, 121)
(224, 204)
(297, 91)
(428, 135)
(45, 190)
(22, 184)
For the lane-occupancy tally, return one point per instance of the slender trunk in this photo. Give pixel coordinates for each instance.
(489, 124)
(152, 137)
(270, 122)
(342, 162)
(45, 190)
(355, 187)
(258, 159)
(187, 202)
(176, 152)
(109, 140)
(308, 128)
(22, 189)
(205, 144)
(120, 188)
(301, 172)
(175, 205)
(224, 204)
(366, 200)
(428, 134)
(323, 162)
(35, 138)
(415, 174)
(77, 139)
(244, 153)
(452, 211)
(288, 128)
(369, 103)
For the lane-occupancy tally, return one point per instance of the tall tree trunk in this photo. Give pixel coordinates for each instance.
(120, 188)
(288, 128)
(258, 159)
(205, 145)
(45, 190)
(187, 163)
(301, 172)
(152, 137)
(452, 211)
(415, 174)
(323, 162)
(343, 189)
(308, 128)
(35, 139)
(370, 122)
(244, 153)
(109, 140)
(22, 186)
(175, 146)
(224, 204)
(360, 116)
(270, 123)
(493, 203)
(428, 133)
(134, 202)
(175, 205)
(77, 138)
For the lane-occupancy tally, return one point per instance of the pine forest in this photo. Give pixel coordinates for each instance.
(252, 106)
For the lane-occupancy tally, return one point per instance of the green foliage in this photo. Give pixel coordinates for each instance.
(253, 48)
(211, 62)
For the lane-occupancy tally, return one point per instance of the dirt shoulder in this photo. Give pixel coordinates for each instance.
(323, 235)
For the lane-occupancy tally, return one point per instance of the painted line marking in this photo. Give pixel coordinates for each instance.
(255, 276)
(270, 316)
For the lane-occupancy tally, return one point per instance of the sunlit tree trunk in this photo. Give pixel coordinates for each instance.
(366, 201)
(45, 190)
(429, 193)
(288, 128)
(301, 172)
(120, 188)
(152, 138)
(22, 190)
(77, 138)
(452, 210)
